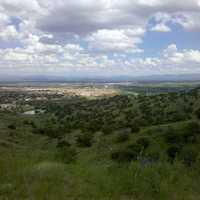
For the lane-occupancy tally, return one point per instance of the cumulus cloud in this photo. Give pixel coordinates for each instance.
(124, 40)
(8, 33)
(92, 35)
(171, 61)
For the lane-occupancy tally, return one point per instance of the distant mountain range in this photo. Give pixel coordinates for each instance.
(101, 79)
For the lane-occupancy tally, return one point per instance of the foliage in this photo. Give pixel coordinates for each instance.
(172, 152)
(131, 147)
(12, 126)
(84, 139)
(143, 141)
(189, 155)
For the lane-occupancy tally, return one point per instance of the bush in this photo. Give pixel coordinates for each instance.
(29, 122)
(197, 113)
(172, 152)
(135, 128)
(193, 127)
(153, 156)
(122, 137)
(26, 122)
(127, 153)
(172, 137)
(123, 155)
(107, 130)
(62, 144)
(137, 148)
(144, 142)
(12, 127)
(189, 137)
(52, 132)
(189, 156)
(84, 140)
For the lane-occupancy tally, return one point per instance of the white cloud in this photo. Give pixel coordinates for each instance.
(90, 34)
(4, 19)
(125, 40)
(22, 8)
(161, 28)
(8, 33)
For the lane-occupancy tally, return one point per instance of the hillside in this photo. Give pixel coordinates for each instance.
(120, 147)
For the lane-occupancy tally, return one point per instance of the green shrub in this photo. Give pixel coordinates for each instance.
(123, 155)
(63, 144)
(171, 137)
(197, 113)
(127, 153)
(135, 128)
(122, 136)
(143, 141)
(137, 148)
(189, 155)
(193, 127)
(172, 152)
(153, 156)
(189, 137)
(84, 139)
(12, 126)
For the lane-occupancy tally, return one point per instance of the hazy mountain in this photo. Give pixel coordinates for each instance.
(152, 78)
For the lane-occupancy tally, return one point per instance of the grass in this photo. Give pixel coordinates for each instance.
(29, 178)
(30, 170)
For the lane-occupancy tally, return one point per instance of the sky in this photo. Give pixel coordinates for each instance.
(99, 37)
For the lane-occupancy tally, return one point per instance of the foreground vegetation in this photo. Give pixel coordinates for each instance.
(122, 147)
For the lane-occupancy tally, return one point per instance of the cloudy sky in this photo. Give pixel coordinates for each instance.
(99, 37)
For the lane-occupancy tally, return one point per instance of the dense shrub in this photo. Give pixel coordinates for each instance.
(84, 139)
(122, 136)
(129, 152)
(107, 129)
(123, 155)
(137, 148)
(189, 155)
(143, 141)
(135, 128)
(189, 137)
(12, 126)
(51, 131)
(172, 152)
(172, 137)
(193, 127)
(30, 123)
(63, 144)
(153, 156)
(197, 113)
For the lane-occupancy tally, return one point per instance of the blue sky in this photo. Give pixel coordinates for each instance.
(99, 38)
